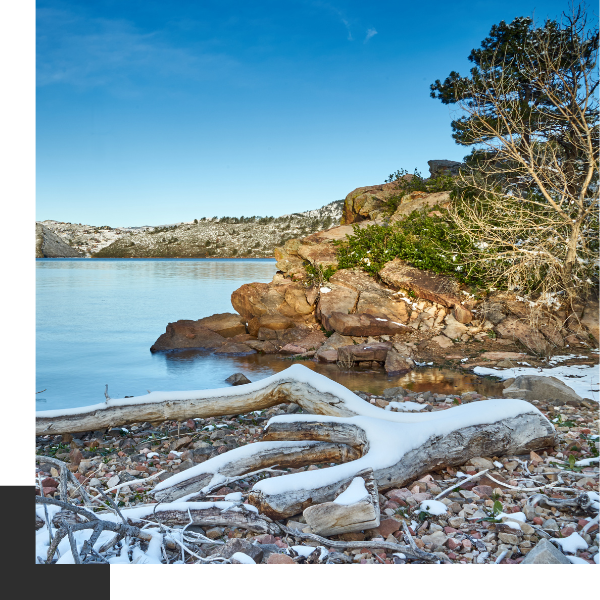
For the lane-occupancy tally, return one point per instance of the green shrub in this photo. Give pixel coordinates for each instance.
(423, 241)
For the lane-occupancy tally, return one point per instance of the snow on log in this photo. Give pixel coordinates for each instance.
(398, 449)
(250, 458)
(315, 393)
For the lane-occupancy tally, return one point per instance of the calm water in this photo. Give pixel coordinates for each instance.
(97, 318)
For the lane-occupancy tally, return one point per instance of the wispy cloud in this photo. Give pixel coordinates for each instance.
(370, 33)
(90, 52)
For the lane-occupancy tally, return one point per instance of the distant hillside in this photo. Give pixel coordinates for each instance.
(254, 237)
(50, 245)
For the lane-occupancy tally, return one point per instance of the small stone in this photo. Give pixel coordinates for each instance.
(509, 538)
(214, 532)
(280, 559)
(75, 456)
(545, 553)
(237, 379)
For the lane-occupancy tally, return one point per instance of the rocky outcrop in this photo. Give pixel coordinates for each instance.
(281, 297)
(188, 334)
(226, 324)
(363, 325)
(429, 286)
(50, 245)
(444, 167)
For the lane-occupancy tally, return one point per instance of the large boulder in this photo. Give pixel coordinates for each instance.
(515, 329)
(444, 167)
(50, 245)
(335, 299)
(187, 334)
(280, 297)
(591, 319)
(454, 330)
(397, 363)
(374, 298)
(539, 387)
(363, 325)
(429, 286)
(226, 324)
(419, 201)
(274, 322)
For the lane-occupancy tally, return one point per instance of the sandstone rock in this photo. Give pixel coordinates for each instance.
(367, 202)
(539, 387)
(494, 312)
(328, 351)
(513, 328)
(462, 315)
(280, 559)
(233, 349)
(420, 201)
(363, 325)
(442, 341)
(266, 347)
(444, 167)
(257, 299)
(237, 379)
(358, 352)
(187, 334)
(454, 330)
(275, 322)
(429, 286)
(329, 355)
(292, 349)
(387, 527)
(338, 300)
(319, 255)
(313, 341)
(225, 324)
(545, 553)
(398, 364)
(481, 463)
(591, 319)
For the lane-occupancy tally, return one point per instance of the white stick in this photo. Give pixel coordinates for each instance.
(592, 522)
(448, 490)
(501, 557)
(135, 481)
(533, 489)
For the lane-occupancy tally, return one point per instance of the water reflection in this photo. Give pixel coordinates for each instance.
(258, 366)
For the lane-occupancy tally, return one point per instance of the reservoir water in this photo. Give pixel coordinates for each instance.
(97, 318)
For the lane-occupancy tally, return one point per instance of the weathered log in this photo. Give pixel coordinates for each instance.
(398, 452)
(250, 458)
(401, 452)
(315, 393)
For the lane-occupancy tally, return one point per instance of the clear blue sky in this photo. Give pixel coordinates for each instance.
(152, 112)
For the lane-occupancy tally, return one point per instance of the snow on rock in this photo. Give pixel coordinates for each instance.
(354, 493)
(405, 406)
(434, 507)
(586, 461)
(242, 558)
(233, 497)
(582, 379)
(571, 544)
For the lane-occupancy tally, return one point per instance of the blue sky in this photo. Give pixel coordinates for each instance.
(151, 112)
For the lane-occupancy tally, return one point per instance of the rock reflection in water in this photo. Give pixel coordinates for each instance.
(259, 366)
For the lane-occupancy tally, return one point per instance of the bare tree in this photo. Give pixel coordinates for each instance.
(529, 195)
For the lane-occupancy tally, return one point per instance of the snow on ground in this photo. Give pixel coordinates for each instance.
(583, 379)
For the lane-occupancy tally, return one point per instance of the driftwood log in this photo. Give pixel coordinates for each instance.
(351, 433)
(398, 452)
